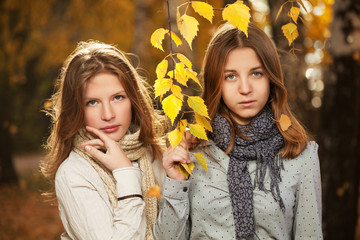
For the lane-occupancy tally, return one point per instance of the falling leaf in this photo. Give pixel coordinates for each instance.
(161, 69)
(157, 38)
(172, 106)
(175, 137)
(186, 169)
(184, 60)
(201, 160)
(294, 13)
(203, 9)
(238, 15)
(198, 105)
(180, 74)
(285, 122)
(188, 27)
(175, 38)
(198, 131)
(161, 86)
(154, 191)
(203, 122)
(290, 32)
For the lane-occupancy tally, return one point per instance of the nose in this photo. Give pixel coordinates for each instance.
(107, 112)
(244, 85)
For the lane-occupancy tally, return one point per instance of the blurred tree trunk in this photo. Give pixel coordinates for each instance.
(142, 31)
(340, 127)
(7, 170)
(293, 65)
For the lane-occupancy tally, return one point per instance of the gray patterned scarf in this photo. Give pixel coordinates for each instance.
(263, 144)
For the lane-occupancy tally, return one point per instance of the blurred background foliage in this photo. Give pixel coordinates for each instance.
(323, 79)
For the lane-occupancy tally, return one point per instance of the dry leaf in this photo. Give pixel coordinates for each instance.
(188, 27)
(154, 191)
(285, 122)
(290, 32)
(175, 137)
(198, 105)
(172, 106)
(294, 13)
(198, 131)
(238, 15)
(201, 160)
(203, 9)
(157, 38)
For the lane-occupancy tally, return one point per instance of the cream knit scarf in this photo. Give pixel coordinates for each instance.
(134, 150)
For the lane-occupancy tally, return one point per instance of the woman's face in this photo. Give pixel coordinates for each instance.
(245, 87)
(106, 105)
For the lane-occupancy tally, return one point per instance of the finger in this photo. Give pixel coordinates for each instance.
(105, 138)
(99, 155)
(95, 143)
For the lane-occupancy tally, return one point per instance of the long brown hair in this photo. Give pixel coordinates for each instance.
(67, 112)
(227, 38)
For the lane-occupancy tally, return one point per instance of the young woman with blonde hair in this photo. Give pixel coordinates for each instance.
(104, 142)
(262, 182)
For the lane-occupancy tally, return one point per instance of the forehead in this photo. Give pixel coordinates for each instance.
(242, 57)
(103, 83)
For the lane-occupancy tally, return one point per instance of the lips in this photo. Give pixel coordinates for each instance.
(247, 103)
(110, 129)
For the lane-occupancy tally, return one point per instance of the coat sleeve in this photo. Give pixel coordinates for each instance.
(173, 219)
(86, 212)
(307, 222)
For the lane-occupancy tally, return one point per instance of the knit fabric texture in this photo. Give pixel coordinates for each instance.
(262, 144)
(135, 151)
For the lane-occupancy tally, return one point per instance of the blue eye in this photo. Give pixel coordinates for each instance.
(230, 77)
(91, 103)
(257, 74)
(118, 97)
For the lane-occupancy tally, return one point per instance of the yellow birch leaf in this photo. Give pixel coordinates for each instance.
(176, 90)
(192, 74)
(285, 122)
(175, 38)
(175, 137)
(198, 105)
(198, 131)
(154, 191)
(238, 15)
(180, 73)
(171, 74)
(186, 169)
(182, 125)
(290, 32)
(203, 9)
(184, 60)
(161, 69)
(294, 13)
(188, 27)
(157, 38)
(203, 122)
(161, 86)
(172, 106)
(201, 160)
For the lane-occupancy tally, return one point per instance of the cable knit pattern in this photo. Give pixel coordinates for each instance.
(134, 150)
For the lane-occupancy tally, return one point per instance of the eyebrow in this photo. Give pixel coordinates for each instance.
(252, 69)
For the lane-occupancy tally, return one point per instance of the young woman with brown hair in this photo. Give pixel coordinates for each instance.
(262, 182)
(103, 147)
